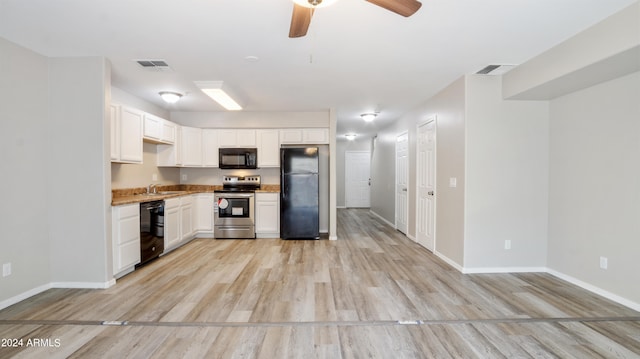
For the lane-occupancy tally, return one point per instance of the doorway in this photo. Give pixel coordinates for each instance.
(425, 178)
(402, 183)
(357, 179)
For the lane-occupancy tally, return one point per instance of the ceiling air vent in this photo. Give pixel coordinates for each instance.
(154, 65)
(495, 69)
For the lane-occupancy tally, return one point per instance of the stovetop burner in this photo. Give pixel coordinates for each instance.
(240, 183)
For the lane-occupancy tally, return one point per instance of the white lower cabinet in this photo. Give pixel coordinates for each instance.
(203, 215)
(186, 218)
(125, 238)
(178, 221)
(267, 215)
(172, 235)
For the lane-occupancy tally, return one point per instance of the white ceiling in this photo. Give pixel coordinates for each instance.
(356, 58)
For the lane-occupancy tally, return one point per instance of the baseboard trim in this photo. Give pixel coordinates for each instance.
(22, 296)
(584, 285)
(449, 261)
(382, 219)
(83, 285)
(597, 290)
(488, 270)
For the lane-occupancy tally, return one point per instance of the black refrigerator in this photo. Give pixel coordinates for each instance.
(299, 217)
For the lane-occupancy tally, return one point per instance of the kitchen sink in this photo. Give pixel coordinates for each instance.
(171, 192)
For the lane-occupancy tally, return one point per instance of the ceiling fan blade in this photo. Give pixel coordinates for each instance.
(300, 20)
(405, 8)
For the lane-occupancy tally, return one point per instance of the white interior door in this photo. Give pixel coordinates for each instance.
(402, 183)
(426, 170)
(357, 179)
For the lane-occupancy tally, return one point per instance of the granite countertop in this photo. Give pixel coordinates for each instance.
(139, 194)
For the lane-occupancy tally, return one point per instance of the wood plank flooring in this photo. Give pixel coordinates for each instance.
(373, 293)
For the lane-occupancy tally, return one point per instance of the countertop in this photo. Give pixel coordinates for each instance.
(139, 195)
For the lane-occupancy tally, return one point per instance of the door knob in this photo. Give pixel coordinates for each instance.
(430, 193)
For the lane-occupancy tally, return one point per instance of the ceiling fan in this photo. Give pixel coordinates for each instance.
(301, 17)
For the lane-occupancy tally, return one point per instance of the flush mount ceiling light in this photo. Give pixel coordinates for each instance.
(350, 136)
(368, 117)
(218, 92)
(170, 97)
(314, 3)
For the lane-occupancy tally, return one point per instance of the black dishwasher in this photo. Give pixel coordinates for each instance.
(151, 230)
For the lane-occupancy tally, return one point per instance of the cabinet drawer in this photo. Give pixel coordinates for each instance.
(128, 210)
(267, 196)
(171, 203)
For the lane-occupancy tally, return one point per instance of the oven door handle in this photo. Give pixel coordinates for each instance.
(236, 195)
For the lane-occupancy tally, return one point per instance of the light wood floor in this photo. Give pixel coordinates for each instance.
(372, 294)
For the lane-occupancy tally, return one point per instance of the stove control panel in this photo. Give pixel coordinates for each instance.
(253, 180)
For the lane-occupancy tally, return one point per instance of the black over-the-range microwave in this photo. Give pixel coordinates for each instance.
(238, 158)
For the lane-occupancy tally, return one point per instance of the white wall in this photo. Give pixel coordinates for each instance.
(54, 139)
(24, 144)
(449, 108)
(383, 174)
(594, 200)
(506, 179)
(78, 171)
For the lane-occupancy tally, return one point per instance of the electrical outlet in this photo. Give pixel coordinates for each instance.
(154, 177)
(507, 244)
(184, 177)
(453, 182)
(6, 269)
(604, 262)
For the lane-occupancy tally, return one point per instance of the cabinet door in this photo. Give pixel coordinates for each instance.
(246, 138)
(315, 135)
(168, 133)
(191, 147)
(130, 135)
(203, 212)
(292, 135)
(267, 214)
(152, 127)
(227, 138)
(125, 237)
(115, 132)
(210, 148)
(186, 217)
(172, 234)
(171, 155)
(268, 148)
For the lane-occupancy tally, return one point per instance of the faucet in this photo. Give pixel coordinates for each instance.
(150, 187)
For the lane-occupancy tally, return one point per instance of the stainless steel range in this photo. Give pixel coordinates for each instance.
(234, 207)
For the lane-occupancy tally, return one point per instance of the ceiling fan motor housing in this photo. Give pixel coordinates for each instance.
(315, 2)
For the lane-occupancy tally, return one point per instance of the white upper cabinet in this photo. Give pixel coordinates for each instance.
(296, 136)
(268, 142)
(191, 147)
(168, 134)
(210, 147)
(237, 138)
(246, 138)
(158, 130)
(126, 123)
(152, 127)
(291, 135)
(315, 135)
(171, 155)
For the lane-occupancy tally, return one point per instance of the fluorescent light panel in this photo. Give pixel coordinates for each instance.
(214, 90)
